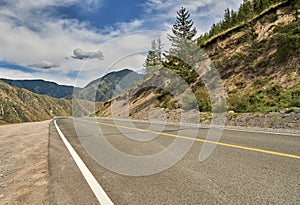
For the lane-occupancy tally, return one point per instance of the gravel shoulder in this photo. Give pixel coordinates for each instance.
(282, 121)
(24, 163)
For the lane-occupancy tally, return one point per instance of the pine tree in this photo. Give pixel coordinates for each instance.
(154, 60)
(158, 52)
(234, 18)
(258, 6)
(244, 10)
(227, 19)
(185, 52)
(182, 30)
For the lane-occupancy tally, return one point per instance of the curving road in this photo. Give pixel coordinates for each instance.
(246, 167)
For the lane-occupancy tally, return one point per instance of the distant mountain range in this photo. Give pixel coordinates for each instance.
(100, 90)
(42, 87)
(109, 86)
(21, 105)
(35, 100)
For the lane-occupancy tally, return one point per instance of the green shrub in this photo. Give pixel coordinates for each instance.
(203, 100)
(273, 98)
(288, 41)
(238, 103)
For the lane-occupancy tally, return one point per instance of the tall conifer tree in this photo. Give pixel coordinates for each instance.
(154, 60)
(184, 52)
(183, 31)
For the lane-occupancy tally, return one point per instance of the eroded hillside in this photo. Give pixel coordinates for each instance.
(258, 62)
(21, 105)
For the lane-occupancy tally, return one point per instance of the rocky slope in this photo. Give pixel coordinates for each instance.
(259, 64)
(21, 105)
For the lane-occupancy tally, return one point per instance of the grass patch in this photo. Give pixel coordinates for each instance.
(273, 98)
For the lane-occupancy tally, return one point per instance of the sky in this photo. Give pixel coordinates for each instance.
(73, 42)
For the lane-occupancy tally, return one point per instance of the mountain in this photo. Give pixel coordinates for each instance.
(109, 86)
(258, 61)
(21, 105)
(20, 101)
(42, 87)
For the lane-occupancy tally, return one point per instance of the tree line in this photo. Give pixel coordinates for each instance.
(247, 11)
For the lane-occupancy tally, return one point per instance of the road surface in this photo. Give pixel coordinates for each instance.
(244, 168)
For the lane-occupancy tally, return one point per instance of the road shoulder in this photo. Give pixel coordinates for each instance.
(66, 183)
(24, 163)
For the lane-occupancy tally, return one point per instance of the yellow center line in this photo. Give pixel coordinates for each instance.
(206, 141)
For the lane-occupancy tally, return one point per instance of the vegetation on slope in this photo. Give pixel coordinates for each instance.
(247, 14)
(257, 59)
(21, 105)
(262, 75)
(259, 62)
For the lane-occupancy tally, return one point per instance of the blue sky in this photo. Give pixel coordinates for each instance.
(52, 39)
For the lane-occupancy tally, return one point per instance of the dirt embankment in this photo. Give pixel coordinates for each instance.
(24, 163)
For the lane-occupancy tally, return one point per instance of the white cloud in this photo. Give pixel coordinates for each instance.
(169, 7)
(14, 74)
(126, 27)
(81, 54)
(44, 65)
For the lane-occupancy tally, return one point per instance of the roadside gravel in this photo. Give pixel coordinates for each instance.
(283, 121)
(24, 163)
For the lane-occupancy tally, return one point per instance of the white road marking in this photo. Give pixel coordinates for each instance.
(100, 194)
(263, 132)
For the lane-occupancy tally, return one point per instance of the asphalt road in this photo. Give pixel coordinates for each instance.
(244, 168)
